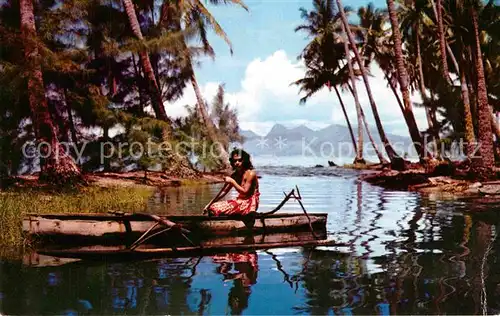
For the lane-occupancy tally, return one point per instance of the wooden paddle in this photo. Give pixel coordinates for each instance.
(205, 209)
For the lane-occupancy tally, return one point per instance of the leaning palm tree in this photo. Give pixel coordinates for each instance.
(470, 137)
(460, 64)
(354, 90)
(442, 38)
(370, 30)
(192, 14)
(154, 88)
(322, 56)
(391, 153)
(484, 165)
(414, 23)
(56, 166)
(403, 82)
(315, 79)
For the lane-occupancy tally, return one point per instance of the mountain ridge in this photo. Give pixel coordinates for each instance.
(332, 140)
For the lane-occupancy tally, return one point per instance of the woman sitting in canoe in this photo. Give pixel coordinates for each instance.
(245, 181)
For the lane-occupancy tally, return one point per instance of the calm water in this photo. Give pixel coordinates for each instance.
(406, 254)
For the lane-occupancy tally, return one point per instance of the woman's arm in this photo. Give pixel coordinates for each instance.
(248, 179)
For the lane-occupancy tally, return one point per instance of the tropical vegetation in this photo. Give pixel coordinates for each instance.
(413, 42)
(80, 78)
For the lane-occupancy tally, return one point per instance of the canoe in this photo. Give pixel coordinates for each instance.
(95, 227)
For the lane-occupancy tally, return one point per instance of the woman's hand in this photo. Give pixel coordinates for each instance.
(229, 180)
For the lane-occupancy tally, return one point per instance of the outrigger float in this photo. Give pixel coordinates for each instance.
(118, 234)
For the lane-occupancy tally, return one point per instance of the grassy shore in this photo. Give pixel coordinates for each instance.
(15, 203)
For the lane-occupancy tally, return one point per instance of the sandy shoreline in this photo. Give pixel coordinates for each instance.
(130, 179)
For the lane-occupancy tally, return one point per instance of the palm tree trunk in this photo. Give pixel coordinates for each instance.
(442, 40)
(484, 165)
(380, 157)
(470, 138)
(370, 137)
(175, 162)
(57, 167)
(471, 79)
(346, 119)
(107, 160)
(209, 124)
(140, 90)
(394, 91)
(72, 127)
(359, 152)
(154, 88)
(453, 59)
(403, 82)
(391, 153)
(428, 112)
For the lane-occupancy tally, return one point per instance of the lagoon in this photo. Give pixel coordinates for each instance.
(406, 253)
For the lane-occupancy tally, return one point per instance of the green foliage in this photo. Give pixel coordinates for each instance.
(195, 136)
(225, 118)
(95, 81)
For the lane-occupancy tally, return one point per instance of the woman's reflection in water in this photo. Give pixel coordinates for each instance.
(246, 266)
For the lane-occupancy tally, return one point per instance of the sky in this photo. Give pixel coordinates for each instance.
(257, 76)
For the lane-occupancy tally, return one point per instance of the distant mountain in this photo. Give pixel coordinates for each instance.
(291, 134)
(277, 129)
(331, 141)
(248, 135)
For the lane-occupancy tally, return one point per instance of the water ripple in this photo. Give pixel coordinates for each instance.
(407, 254)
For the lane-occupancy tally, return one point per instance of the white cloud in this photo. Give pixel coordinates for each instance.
(178, 108)
(266, 97)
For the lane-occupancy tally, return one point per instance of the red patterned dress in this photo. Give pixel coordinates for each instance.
(240, 206)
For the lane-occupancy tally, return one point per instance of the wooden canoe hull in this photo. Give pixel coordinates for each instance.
(94, 227)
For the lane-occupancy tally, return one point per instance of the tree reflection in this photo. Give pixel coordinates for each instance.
(327, 279)
(439, 263)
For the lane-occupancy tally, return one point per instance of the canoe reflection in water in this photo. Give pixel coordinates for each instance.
(244, 275)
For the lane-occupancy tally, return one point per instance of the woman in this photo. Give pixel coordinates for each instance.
(244, 180)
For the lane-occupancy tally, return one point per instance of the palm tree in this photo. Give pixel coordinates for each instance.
(403, 82)
(56, 165)
(380, 157)
(359, 154)
(484, 165)
(391, 153)
(442, 40)
(194, 15)
(154, 88)
(322, 57)
(470, 138)
(351, 133)
(314, 80)
(371, 30)
(460, 67)
(414, 23)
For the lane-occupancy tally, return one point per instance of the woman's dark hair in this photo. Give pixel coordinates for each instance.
(245, 157)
